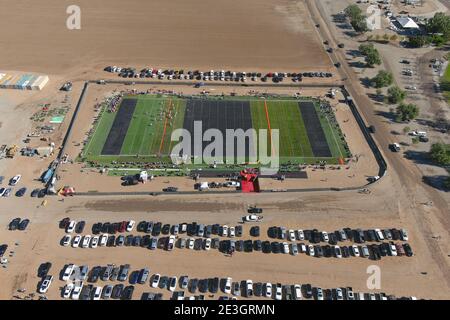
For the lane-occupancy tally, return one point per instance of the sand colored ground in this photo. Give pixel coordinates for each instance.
(179, 34)
(400, 276)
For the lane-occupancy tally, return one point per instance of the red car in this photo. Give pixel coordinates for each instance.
(123, 226)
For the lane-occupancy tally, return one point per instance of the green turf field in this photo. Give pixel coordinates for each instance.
(155, 117)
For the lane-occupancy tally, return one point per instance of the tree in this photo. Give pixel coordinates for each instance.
(353, 11)
(382, 79)
(440, 24)
(372, 56)
(440, 153)
(407, 112)
(417, 41)
(357, 19)
(396, 95)
(386, 37)
(394, 37)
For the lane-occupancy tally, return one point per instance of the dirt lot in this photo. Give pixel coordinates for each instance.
(323, 211)
(242, 35)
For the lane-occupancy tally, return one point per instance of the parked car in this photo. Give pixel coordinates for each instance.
(15, 180)
(14, 224)
(155, 280)
(71, 226)
(66, 240)
(43, 269)
(45, 284)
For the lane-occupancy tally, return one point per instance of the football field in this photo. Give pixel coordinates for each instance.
(140, 131)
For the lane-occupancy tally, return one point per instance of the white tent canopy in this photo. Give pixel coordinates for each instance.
(407, 23)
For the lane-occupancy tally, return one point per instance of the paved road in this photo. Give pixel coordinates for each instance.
(408, 174)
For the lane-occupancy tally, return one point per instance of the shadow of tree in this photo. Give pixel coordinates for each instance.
(437, 182)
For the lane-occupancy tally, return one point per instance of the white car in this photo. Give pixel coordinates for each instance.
(251, 218)
(68, 272)
(297, 292)
(355, 250)
(278, 292)
(325, 236)
(249, 288)
(231, 232)
(190, 243)
(94, 242)
(97, 293)
(303, 247)
(207, 244)
(392, 249)
(86, 241)
(338, 252)
(71, 226)
(380, 235)
(130, 225)
(173, 283)
(170, 243)
(103, 240)
(68, 290)
(77, 290)
(339, 295)
(155, 280)
(227, 286)
(319, 294)
(224, 231)
(291, 235)
(404, 234)
(311, 250)
(66, 240)
(285, 247)
(268, 290)
(45, 284)
(413, 88)
(76, 241)
(300, 235)
(14, 180)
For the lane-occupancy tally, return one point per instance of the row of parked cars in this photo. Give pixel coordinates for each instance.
(211, 75)
(18, 224)
(346, 234)
(372, 251)
(71, 226)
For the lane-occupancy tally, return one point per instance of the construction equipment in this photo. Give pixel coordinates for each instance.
(11, 152)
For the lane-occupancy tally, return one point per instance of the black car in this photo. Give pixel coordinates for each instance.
(254, 210)
(42, 193)
(95, 274)
(34, 193)
(3, 249)
(257, 245)
(80, 226)
(117, 291)
(254, 231)
(129, 240)
(14, 224)
(372, 129)
(145, 240)
(208, 231)
(86, 292)
(307, 234)
(275, 247)
(21, 192)
(258, 289)
(166, 229)
(149, 227)
(318, 251)
(23, 224)
(203, 285)
(127, 293)
(137, 241)
(307, 291)
(214, 285)
(192, 287)
(170, 189)
(248, 246)
(157, 229)
(96, 228)
(266, 247)
(345, 252)
(163, 282)
(358, 235)
(375, 250)
(215, 228)
(272, 232)
(332, 239)
(105, 227)
(238, 231)
(134, 277)
(111, 241)
(408, 250)
(240, 245)
(327, 251)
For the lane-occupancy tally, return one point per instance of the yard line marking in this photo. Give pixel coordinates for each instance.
(268, 126)
(165, 127)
